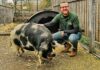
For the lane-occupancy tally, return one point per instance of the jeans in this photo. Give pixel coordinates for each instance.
(73, 38)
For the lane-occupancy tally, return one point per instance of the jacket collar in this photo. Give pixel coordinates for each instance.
(67, 17)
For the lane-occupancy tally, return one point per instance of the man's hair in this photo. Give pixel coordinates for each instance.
(62, 3)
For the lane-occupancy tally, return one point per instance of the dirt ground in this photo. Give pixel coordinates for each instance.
(9, 60)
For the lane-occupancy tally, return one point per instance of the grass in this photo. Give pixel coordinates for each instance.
(85, 40)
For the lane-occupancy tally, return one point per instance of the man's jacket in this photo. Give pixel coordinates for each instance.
(68, 24)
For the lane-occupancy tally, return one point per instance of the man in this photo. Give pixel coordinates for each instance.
(68, 28)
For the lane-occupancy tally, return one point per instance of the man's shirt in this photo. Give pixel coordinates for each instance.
(69, 23)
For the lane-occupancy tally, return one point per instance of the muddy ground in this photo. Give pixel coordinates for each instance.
(9, 60)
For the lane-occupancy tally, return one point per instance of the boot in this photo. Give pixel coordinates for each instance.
(67, 47)
(73, 53)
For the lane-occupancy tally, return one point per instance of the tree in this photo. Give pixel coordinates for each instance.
(45, 4)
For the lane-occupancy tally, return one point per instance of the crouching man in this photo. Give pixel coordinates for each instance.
(69, 29)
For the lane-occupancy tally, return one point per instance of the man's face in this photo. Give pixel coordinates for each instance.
(64, 8)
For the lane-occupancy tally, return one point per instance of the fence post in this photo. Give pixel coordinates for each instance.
(37, 6)
(91, 25)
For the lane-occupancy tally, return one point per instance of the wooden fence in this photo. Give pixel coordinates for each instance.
(82, 9)
(6, 14)
(22, 16)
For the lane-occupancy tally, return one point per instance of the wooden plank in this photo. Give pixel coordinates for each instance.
(4, 34)
(87, 17)
(97, 22)
(86, 47)
(91, 24)
(99, 17)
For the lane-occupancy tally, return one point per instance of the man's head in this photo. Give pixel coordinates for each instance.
(64, 8)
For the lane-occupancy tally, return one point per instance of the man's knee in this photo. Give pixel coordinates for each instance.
(58, 37)
(74, 38)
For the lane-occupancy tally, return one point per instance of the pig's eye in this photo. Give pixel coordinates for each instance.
(53, 43)
(47, 40)
(53, 47)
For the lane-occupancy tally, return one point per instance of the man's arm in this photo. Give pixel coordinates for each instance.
(53, 22)
(50, 24)
(76, 28)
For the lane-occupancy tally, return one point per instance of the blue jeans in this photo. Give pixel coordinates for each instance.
(73, 38)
